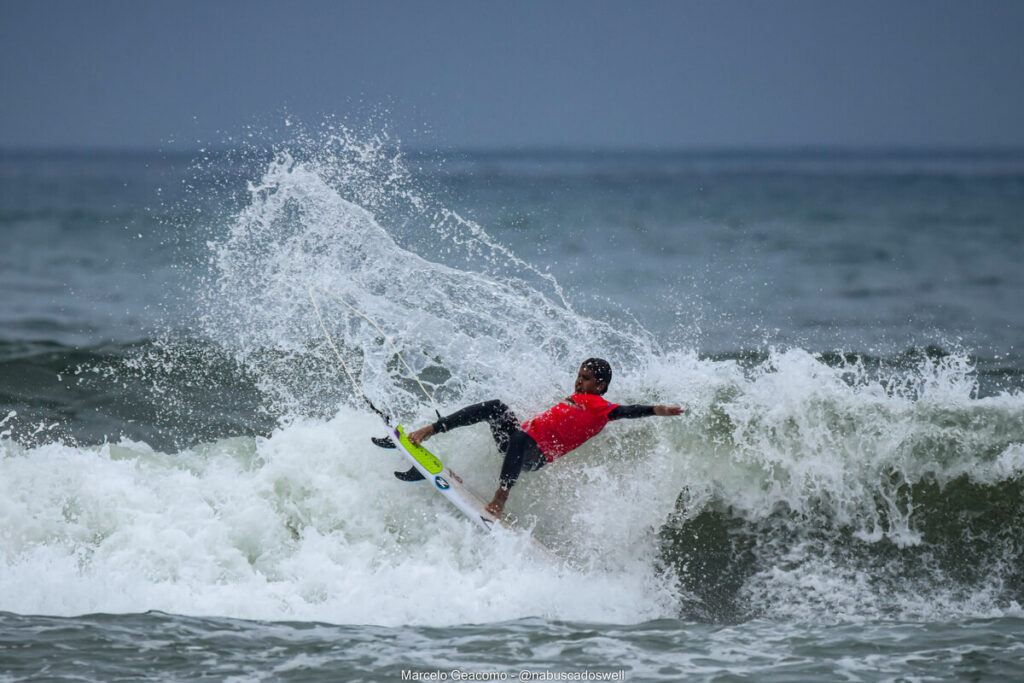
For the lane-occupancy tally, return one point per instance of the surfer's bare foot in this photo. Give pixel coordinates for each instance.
(421, 434)
(497, 506)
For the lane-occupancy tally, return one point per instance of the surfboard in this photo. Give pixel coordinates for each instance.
(450, 485)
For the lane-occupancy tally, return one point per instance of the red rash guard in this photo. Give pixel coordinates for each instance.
(567, 425)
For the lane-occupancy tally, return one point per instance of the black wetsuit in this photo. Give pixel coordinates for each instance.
(520, 450)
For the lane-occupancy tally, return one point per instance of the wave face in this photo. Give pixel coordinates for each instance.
(800, 485)
(813, 489)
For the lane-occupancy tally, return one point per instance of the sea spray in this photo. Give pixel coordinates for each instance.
(466, 331)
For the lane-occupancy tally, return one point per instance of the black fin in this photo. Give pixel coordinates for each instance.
(383, 441)
(412, 474)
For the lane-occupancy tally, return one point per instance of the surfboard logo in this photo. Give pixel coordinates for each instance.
(441, 483)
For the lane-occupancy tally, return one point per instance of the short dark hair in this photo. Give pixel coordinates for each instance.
(601, 368)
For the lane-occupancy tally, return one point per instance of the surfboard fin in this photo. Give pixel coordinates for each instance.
(383, 441)
(412, 474)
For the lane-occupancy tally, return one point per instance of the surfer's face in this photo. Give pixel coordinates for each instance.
(586, 382)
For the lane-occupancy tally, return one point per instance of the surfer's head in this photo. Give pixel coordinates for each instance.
(594, 377)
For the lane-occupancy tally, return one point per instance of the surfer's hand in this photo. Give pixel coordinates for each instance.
(667, 411)
(421, 434)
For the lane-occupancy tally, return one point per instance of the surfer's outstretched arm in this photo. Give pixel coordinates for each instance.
(629, 412)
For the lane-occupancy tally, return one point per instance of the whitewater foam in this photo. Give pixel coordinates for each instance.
(307, 524)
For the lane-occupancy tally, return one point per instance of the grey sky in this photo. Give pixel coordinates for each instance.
(497, 74)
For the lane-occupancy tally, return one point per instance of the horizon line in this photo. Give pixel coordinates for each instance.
(539, 149)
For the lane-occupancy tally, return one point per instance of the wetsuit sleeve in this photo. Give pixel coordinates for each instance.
(628, 412)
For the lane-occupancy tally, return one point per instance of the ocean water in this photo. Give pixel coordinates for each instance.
(188, 488)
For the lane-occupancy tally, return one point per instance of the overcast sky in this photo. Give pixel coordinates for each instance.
(138, 73)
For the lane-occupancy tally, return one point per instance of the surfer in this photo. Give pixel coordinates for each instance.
(532, 444)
